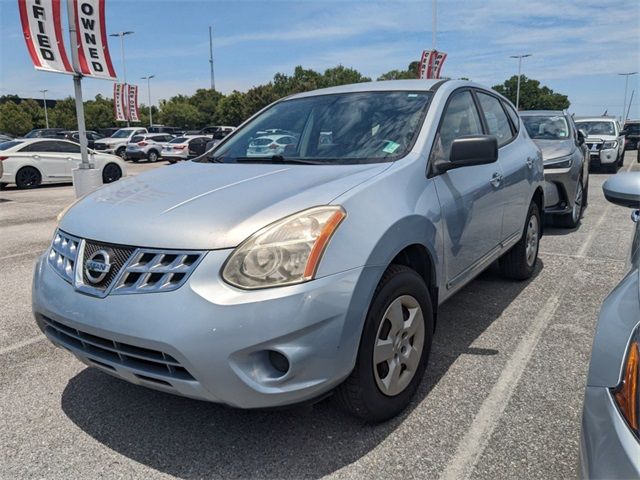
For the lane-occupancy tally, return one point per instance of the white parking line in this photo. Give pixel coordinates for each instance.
(19, 345)
(477, 437)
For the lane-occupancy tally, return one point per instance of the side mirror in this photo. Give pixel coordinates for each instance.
(623, 189)
(582, 136)
(468, 151)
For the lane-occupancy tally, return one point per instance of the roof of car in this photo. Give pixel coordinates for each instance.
(387, 85)
(543, 112)
(583, 119)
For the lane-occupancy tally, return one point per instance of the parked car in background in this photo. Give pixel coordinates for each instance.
(632, 137)
(566, 164)
(610, 439)
(217, 132)
(605, 140)
(31, 162)
(92, 136)
(185, 147)
(270, 144)
(165, 129)
(147, 146)
(107, 132)
(117, 143)
(291, 276)
(46, 133)
(4, 137)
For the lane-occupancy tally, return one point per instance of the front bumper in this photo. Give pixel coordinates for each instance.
(608, 449)
(560, 189)
(215, 337)
(604, 157)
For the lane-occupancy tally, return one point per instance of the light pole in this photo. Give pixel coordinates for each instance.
(626, 84)
(46, 115)
(124, 66)
(519, 57)
(148, 79)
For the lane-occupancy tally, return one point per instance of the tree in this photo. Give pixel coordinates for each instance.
(231, 109)
(35, 112)
(98, 113)
(63, 115)
(532, 95)
(411, 72)
(257, 98)
(177, 111)
(342, 75)
(13, 119)
(206, 102)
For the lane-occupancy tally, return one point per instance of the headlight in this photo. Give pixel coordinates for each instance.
(610, 145)
(560, 162)
(627, 394)
(285, 252)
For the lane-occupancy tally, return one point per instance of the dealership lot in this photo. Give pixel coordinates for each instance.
(501, 398)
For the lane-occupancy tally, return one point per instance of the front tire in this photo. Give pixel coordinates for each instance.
(28, 177)
(153, 156)
(572, 220)
(519, 263)
(121, 152)
(394, 348)
(111, 172)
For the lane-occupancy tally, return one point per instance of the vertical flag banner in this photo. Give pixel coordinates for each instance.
(132, 102)
(93, 50)
(431, 64)
(119, 102)
(42, 29)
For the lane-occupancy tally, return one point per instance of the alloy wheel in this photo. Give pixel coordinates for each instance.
(577, 205)
(398, 347)
(531, 248)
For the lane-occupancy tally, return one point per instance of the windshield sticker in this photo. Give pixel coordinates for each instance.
(412, 95)
(391, 147)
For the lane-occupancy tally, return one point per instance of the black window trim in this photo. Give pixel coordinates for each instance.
(514, 135)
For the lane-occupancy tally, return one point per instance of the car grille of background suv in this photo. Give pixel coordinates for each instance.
(142, 359)
(598, 146)
(99, 146)
(133, 270)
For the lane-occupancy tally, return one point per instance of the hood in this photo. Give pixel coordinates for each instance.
(207, 206)
(555, 148)
(112, 141)
(601, 138)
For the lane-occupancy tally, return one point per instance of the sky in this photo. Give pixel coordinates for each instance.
(578, 47)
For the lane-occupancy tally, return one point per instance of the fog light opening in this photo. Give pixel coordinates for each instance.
(279, 361)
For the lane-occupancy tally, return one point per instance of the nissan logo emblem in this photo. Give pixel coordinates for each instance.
(97, 267)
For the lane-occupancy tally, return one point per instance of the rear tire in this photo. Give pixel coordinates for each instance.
(519, 263)
(111, 172)
(28, 177)
(394, 348)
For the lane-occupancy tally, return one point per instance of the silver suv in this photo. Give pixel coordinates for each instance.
(262, 281)
(147, 146)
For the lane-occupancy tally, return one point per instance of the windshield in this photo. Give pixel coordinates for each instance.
(122, 133)
(363, 127)
(546, 127)
(8, 145)
(597, 128)
(178, 140)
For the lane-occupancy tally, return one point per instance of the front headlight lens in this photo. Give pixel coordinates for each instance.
(610, 145)
(560, 162)
(627, 394)
(285, 252)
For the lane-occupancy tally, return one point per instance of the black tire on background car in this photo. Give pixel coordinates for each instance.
(520, 262)
(111, 172)
(28, 177)
(394, 348)
(612, 167)
(122, 153)
(152, 156)
(172, 161)
(3, 185)
(572, 220)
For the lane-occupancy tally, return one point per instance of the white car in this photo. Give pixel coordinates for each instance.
(185, 147)
(270, 144)
(30, 162)
(147, 145)
(117, 143)
(605, 141)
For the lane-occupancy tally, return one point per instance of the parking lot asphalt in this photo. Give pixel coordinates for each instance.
(501, 398)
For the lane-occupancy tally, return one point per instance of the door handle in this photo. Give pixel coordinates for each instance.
(530, 162)
(496, 179)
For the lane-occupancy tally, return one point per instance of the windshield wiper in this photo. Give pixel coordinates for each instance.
(277, 159)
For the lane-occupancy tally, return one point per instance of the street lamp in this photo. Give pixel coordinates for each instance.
(623, 117)
(519, 57)
(124, 66)
(46, 116)
(148, 79)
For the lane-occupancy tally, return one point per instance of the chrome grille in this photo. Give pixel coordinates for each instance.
(153, 271)
(149, 361)
(63, 254)
(132, 270)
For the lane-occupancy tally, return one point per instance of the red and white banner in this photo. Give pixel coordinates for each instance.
(431, 63)
(42, 29)
(119, 102)
(91, 34)
(132, 103)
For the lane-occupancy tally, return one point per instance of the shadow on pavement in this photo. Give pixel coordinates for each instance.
(193, 439)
